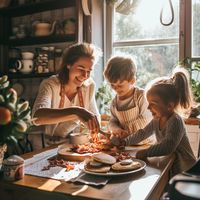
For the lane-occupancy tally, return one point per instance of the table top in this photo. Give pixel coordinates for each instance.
(146, 184)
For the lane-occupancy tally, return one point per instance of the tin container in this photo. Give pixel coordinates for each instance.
(13, 168)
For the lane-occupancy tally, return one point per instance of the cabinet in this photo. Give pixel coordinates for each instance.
(193, 132)
(24, 17)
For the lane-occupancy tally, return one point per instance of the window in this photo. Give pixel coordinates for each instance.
(156, 47)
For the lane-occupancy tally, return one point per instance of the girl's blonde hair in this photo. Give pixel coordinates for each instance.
(120, 68)
(174, 89)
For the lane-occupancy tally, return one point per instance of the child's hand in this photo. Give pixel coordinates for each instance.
(117, 141)
(119, 132)
(141, 154)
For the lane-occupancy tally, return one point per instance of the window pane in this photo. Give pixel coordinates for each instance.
(144, 21)
(152, 61)
(196, 28)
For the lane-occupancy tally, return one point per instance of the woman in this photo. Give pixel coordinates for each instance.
(65, 99)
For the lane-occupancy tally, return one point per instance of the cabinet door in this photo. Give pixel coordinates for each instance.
(193, 132)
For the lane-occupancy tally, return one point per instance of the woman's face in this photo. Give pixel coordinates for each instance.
(80, 71)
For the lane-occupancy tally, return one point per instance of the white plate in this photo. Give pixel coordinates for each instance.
(112, 173)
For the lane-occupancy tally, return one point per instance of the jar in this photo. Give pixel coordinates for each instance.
(13, 168)
(58, 57)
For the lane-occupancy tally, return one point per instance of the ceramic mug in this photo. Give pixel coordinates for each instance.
(25, 66)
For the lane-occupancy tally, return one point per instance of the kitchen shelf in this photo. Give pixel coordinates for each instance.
(30, 8)
(41, 40)
(31, 75)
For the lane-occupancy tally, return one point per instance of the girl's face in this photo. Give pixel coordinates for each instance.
(80, 71)
(122, 87)
(157, 107)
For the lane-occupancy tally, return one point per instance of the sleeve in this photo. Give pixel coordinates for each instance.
(173, 136)
(140, 135)
(44, 97)
(93, 105)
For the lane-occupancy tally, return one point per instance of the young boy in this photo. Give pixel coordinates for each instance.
(129, 111)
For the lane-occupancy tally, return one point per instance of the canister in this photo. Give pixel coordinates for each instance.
(13, 168)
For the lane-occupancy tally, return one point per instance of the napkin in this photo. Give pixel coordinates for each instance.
(91, 179)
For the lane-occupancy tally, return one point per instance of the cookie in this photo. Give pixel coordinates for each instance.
(104, 158)
(99, 169)
(126, 166)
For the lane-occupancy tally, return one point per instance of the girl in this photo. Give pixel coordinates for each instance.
(60, 103)
(129, 107)
(166, 96)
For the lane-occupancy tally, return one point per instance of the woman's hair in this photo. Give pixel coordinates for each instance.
(174, 89)
(120, 68)
(74, 52)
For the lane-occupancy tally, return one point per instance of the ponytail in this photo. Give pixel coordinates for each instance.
(181, 82)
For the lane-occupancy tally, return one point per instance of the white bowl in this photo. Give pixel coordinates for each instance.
(79, 138)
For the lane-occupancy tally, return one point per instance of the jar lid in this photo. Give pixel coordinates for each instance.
(13, 160)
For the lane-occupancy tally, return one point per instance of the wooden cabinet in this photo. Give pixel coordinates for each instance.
(23, 16)
(193, 132)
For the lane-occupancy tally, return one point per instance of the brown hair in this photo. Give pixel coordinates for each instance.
(74, 52)
(120, 68)
(174, 89)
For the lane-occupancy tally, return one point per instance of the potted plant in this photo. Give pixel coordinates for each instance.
(15, 117)
(194, 68)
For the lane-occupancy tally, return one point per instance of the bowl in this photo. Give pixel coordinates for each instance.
(79, 138)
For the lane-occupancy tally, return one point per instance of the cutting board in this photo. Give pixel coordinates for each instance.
(66, 153)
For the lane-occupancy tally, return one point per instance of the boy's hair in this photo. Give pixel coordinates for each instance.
(174, 89)
(74, 52)
(120, 68)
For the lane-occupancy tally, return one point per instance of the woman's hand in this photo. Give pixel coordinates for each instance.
(88, 118)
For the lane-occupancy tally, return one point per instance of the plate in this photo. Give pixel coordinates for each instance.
(113, 173)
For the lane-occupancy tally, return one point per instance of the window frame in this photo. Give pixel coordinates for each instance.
(184, 40)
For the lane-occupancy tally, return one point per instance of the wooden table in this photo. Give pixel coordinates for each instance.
(146, 184)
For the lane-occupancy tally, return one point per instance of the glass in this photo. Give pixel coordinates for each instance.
(195, 28)
(144, 22)
(151, 61)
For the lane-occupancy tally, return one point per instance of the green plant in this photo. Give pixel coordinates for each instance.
(104, 96)
(15, 117)
(194, 69)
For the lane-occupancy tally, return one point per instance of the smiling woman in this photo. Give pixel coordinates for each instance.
(60, 104)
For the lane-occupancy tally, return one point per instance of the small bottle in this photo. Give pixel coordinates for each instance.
(58, 56)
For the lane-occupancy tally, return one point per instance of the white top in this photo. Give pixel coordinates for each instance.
(49, 97)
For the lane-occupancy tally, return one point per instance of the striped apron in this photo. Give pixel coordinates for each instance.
(130, 119)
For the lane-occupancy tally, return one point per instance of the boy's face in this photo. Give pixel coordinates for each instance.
(122, 87)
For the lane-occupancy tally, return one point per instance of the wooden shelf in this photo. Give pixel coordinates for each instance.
(40, 40)
(31, 8)
(31, 75)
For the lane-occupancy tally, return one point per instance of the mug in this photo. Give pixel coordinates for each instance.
(25, 66)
